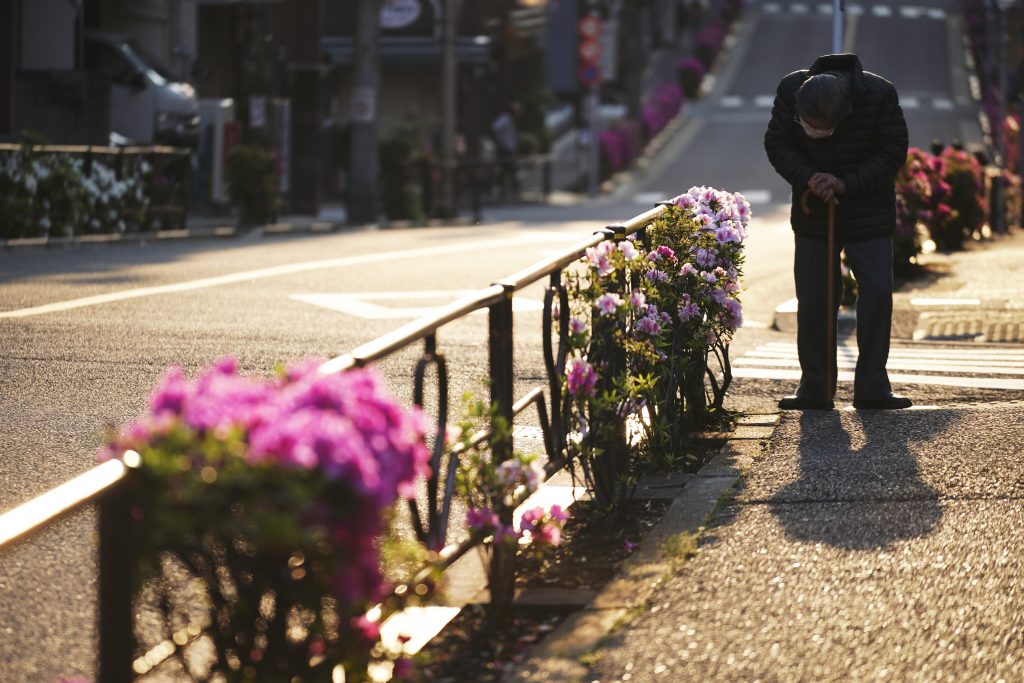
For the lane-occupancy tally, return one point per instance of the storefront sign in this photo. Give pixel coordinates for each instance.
(399, 14)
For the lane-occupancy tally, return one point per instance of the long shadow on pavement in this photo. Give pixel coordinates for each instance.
(860, 485)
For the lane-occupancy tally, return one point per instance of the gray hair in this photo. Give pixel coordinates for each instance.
(825, 96)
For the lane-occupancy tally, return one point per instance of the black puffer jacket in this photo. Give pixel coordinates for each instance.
(866, 151)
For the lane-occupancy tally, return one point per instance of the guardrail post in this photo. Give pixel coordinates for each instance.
(116, 566)
(501, 578)
(545, 185)
(609, 428)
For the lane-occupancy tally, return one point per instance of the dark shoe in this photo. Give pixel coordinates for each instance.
(890, 402)
(796, 402)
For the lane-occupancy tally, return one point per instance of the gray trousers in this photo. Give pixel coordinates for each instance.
(871, 262)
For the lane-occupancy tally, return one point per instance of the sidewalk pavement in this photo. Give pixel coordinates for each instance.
(850, 545)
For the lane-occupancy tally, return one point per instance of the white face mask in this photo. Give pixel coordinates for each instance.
(815, 133)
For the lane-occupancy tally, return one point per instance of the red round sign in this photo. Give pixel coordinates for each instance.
(590, 51)
(591, 26)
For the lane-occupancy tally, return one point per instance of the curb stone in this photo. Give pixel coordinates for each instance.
(557, 658)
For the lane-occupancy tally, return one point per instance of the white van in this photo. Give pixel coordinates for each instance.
(146, 106)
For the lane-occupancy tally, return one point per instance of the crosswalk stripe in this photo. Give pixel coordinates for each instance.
(937, 380)
(983, 359)
(879, 10)
(990, 353)
(984, 368)
(894, 364)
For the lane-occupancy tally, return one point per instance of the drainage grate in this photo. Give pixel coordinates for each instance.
(996, 326)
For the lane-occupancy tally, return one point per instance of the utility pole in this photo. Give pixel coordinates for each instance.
(449, 112)
(364, 164)
(838, 7)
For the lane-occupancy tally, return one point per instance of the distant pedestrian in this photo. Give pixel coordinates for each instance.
(506, 139)
(838, 136)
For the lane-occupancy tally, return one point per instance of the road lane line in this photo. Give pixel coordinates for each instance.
(261, 273)
(935, 380)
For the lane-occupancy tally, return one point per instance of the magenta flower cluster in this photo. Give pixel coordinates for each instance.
(537, 525)
(343, 426)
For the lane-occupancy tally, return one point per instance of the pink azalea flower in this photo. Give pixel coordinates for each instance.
(580, 377)
(687, 269)
(608, 303)
(629, 252)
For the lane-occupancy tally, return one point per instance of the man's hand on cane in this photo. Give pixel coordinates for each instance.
(826, 187)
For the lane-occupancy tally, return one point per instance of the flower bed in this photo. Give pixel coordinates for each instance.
(274, 494)
(52, 191)
(644, 316)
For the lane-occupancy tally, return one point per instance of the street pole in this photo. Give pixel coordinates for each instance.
(449, 74)
(593, 152)
(999, 127)
(364, 164)
(838, 7)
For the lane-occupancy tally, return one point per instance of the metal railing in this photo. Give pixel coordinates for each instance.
(106, 484)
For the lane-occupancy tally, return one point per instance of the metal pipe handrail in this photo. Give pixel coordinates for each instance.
(535, 272)
(414, 331)
(94, 149)
(78, 491)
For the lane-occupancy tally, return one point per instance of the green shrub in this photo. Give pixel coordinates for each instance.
(252, 183)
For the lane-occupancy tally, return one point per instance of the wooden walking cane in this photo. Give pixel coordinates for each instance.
(830, 297)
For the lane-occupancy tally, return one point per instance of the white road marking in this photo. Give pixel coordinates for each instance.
(881, 11)
(911, 12)
(764, 101)
(359, 304)
(731, 101)
(788, 306)
(778, 360)
(945, 302)
(274, 271)
(942, 103)
(825, 9)
(910, 103)
(855, 10)
(757, 196)
(933, 380)
(798, 8)
(772, 8)
(649, 198)
(850, 362)
(936, 13)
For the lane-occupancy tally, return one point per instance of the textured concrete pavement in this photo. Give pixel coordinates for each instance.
(864, 545)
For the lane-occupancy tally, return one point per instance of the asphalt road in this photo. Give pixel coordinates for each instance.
(68, 370)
